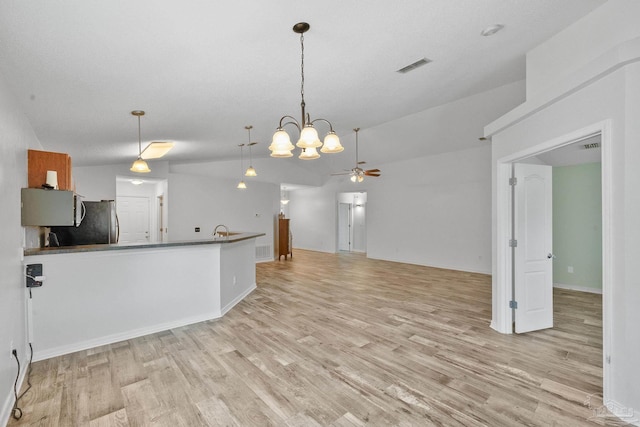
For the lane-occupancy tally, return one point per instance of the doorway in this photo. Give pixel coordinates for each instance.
(352, 231)
(142, 209)
(503, 313)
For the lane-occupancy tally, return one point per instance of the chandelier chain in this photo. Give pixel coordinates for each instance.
(302, 69)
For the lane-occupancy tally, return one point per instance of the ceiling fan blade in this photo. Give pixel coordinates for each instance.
(372, 174)
(373, 170)
(362, 162)
(341, 173)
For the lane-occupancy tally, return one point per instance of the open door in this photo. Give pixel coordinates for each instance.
(532, 247)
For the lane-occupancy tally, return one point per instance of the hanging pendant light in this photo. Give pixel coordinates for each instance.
(283, 197)
(241, 185)
(250, 170)
(309, 141)
(139, 165)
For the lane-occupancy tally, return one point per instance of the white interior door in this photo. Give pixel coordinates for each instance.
(533, 263)
(344, 226)
(133, 213)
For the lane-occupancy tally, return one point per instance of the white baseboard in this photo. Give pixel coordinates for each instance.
(623, 414)
(237, 299)
(110, 339)
(9, 400)
(578, 288)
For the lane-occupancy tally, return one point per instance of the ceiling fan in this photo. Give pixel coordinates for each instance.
(357, 173)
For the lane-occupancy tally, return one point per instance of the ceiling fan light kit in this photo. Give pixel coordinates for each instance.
(309, 140)
(357, 174)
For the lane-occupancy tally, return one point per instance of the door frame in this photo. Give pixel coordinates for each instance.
(349, 225)
(503, 316)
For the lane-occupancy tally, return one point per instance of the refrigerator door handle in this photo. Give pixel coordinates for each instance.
(117, 228)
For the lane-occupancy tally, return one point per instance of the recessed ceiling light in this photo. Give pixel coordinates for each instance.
(491, 30)
(156, 149)
(137, 181)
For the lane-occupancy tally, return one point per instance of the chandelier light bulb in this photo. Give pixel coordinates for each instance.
(309, 154)
(281, 145)
(309, 137)
(331, 143)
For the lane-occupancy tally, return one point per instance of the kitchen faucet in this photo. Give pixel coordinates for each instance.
(215, 230)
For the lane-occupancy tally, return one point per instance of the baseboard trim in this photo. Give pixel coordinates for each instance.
(9, 400)
(123, 336)
(237, 299)
(620, 414)
(578, 288)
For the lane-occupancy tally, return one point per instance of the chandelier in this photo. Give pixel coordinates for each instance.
(309, 141)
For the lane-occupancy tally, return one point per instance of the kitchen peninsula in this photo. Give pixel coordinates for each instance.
(94, 295)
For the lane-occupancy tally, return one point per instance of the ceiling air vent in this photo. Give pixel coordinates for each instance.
(411, 67)
(592, 145)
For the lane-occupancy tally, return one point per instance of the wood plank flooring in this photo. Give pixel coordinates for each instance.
(339, 340)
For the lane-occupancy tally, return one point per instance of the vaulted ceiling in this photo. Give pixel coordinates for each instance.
(202, 70)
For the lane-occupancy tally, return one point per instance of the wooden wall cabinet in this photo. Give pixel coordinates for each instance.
(39, 162)
(284, 238)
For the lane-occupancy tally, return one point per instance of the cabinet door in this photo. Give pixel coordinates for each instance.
(39, 162)
(283, 241)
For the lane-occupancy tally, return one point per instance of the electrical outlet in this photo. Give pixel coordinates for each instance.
(11, 349)
(570, 269)
(234, 280)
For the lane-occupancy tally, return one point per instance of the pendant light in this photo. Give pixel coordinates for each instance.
(139, 166)
(309, 141)
(250, 170)
(241, 185)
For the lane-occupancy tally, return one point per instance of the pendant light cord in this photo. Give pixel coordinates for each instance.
(139, 139)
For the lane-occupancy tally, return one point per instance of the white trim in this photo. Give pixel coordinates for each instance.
(442, 267)
(622, 414)
(237, 299)
(622, 55)
(578, 288)
(501, 280)
(607, 251)
(122, 336)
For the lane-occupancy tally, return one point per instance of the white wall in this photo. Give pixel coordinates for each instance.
(314, 217)
(433, 211)
(615, 97)
(202, 201)
(614, 22)
(16, 136)
(99, 182)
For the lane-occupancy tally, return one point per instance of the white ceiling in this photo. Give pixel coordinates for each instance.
(202, 70)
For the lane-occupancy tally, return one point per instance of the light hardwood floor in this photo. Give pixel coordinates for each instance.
(340, 340)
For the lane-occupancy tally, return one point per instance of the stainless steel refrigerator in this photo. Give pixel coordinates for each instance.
(99, 225)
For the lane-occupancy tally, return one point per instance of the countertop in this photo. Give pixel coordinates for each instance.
(233, 237)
